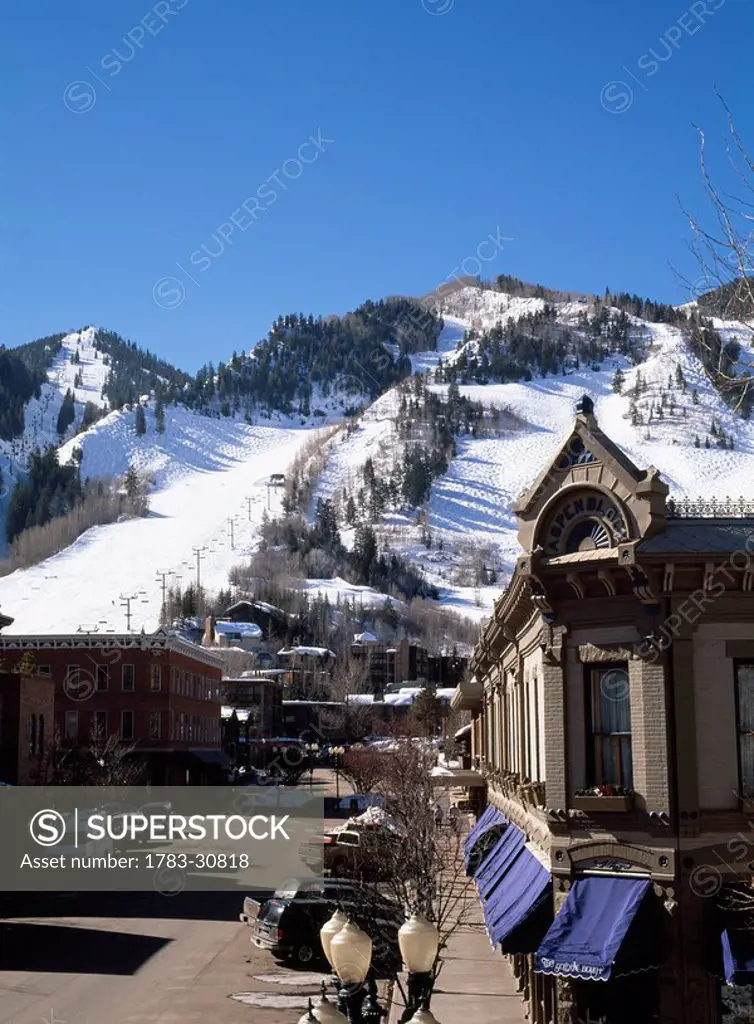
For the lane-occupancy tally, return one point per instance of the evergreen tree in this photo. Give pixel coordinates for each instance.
(141, 420)
(427, 709)
(131, 482)
(67, 413)
(618, 381)
(159, 416)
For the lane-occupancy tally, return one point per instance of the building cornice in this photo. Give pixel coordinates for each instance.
(160, 641)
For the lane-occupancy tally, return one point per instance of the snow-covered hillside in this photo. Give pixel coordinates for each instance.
(41, 414)
(206, 470)
(469, 512)
(222, 476)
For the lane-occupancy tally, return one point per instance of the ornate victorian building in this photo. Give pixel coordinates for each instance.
(613, 721)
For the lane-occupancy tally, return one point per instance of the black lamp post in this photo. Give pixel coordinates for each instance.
(337, 753)
(418, 940)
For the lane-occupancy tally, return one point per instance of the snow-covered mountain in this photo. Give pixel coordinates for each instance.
(210, 470)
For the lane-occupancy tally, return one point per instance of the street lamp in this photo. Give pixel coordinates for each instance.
(423, 1016)
(311, 749)
(349, 951)
(337, 753)
(325, 1012)
(418, 941)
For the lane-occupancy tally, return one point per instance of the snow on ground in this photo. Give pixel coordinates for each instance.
(469, 515)
(206, 468)
(338, 591)
(82, 586)
(41, 414)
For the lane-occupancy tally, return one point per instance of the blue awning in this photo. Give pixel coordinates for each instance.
(517, 894)
(738, 957)
(486, 822)
(499, 860)
(482, 822)
(586, 936)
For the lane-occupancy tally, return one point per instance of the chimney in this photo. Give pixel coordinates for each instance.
(208, 640)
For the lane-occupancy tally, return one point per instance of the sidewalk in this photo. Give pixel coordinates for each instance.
(475, 984)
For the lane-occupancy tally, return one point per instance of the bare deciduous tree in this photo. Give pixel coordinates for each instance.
(364, 768)
(724, 255)
(426, 873)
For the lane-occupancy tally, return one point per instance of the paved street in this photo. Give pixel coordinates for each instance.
(140, 959)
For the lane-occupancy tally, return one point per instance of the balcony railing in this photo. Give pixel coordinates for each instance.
(709, 508)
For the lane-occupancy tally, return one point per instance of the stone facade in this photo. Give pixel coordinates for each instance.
(615, 601)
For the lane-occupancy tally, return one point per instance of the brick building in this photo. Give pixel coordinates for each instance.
(156, 692)
(27, 705)
(612, 704)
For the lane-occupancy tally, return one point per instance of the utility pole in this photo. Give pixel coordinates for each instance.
(162, 579)
(248, 505)
(127, 599)
(231, 525)
(199, 552)
(268, 497)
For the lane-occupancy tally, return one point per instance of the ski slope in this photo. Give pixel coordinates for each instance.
(222, 476)
(205, 470)
(41, 414)
(469, 514)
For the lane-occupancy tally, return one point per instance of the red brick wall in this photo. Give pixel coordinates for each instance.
(22, 697)
(78, 692)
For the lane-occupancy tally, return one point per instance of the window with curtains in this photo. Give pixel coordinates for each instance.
(609, 727)
(745, 721)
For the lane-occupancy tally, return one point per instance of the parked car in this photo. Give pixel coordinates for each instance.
(288, 925)
(352, 853)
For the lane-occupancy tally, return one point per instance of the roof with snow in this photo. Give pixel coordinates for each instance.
(306, 652)
(235, 630)
(365, 638)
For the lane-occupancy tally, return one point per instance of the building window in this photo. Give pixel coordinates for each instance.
(103, 677)
(71, 725)
(126, 725)
(745, 720)
(609, 727)
(155, 682)
(127, 678)
(99, 722)
(33, 735)
(44, 670)
(154, 725)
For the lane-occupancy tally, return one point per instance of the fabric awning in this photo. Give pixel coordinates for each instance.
(484, 820)
(738, 956)
(588, 934)
(499, 861)
(517, 894)
(485, 823)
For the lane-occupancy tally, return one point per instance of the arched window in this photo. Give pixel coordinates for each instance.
(33, 735)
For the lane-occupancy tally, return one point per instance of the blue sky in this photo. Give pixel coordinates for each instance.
(135, 135)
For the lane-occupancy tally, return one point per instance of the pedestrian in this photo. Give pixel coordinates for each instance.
(438, 815)
(454, 817)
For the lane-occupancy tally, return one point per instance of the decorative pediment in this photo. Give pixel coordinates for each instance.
(591, 496)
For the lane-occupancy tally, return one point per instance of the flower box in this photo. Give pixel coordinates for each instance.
(595, 804)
